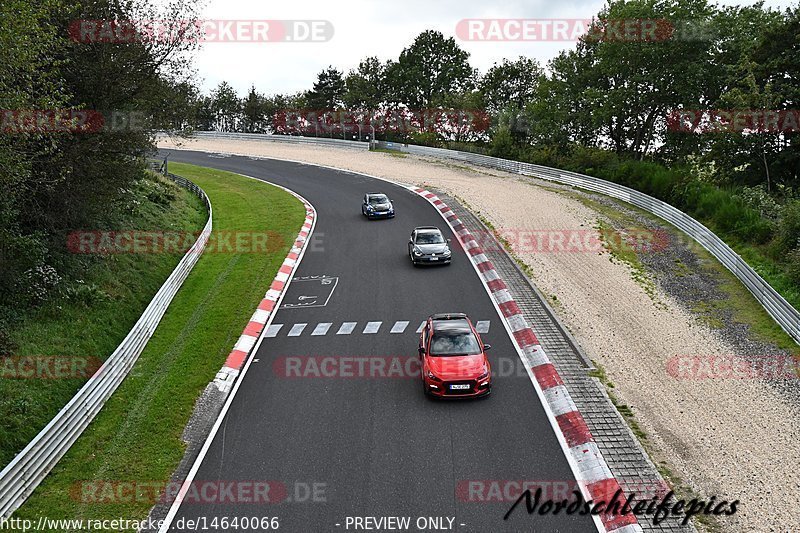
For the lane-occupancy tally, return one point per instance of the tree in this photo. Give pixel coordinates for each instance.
(226, 107)
(176, 110)
(617, 92)
(463, 117)
(204, 113)
(365, 87)
(328, 90)
(429, 70)
(58, 179)
(745, 157)
(510, 83)
(26, 82)
(558, 115)
(506, 89)
(254, 112)
(777, 65)
(78, 178)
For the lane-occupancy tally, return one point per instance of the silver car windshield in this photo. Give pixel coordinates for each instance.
(430, 238)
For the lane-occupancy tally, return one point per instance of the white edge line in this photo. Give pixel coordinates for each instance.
(303, 306)
(550, 416)
(215, 428)
(336, 284)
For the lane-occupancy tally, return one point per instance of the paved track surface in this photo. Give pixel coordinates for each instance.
(374, 446)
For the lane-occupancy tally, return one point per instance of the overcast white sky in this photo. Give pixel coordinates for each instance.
(371, 27)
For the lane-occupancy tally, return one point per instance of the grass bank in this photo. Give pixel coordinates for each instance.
(88, 317)
(769, 244)
(136, 439)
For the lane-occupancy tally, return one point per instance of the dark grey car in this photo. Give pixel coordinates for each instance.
(377, 205)
(428, 246)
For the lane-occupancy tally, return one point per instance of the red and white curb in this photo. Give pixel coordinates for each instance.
(266, 308)
(590, 468)
(587, 463)
(238, 362)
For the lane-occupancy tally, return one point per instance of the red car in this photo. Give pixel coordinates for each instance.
(453, 358)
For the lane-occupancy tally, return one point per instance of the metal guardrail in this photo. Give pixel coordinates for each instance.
(776, 305)
(24, 473)
(293, 139)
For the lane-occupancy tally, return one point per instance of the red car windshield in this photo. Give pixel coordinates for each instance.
(446, 343)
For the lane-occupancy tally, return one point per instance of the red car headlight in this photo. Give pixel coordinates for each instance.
(432, 376)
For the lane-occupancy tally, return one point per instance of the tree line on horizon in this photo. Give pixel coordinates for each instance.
(606, 107)
(602, 108)
(613, 96)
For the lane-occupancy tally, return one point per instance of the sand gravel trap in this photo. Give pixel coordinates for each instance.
(736, 439)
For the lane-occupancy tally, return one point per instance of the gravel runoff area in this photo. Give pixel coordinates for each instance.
(733, 438)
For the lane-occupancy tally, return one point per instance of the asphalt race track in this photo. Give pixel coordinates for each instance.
(374, 446)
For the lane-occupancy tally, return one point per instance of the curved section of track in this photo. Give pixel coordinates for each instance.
(374, 446)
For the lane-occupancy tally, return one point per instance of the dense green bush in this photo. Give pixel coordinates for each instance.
(55, 182)
(793, 266)
(738, 215)
(503, 145)
(788, 234)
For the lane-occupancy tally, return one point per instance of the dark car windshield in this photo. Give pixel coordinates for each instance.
(448, 342)
(430, 238)
(378, 200)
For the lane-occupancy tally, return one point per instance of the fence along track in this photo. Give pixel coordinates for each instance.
(776, 305)
(30, 466)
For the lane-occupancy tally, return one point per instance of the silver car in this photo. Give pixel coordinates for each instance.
(428, 246)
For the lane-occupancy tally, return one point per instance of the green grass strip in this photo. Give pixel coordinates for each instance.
(137, 436)
(93, 316)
